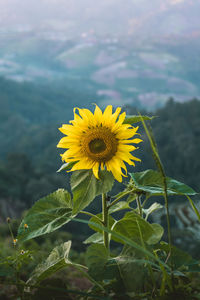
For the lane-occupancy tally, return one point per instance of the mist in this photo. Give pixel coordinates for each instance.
(141, 18)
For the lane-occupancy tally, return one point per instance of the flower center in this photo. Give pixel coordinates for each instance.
(99, 144)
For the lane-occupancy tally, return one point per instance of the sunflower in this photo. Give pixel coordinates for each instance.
(99, 141)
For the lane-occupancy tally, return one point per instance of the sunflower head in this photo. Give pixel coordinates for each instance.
(99, 140)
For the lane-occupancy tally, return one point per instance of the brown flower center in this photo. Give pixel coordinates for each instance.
(99, 144)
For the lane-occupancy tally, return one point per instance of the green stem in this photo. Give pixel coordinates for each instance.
(139, 205)
(91, 215)
(167, 211)
(145, 200)
(161, 169)
(147, 257)
(118, 198)
(105, 220)
(11, 233)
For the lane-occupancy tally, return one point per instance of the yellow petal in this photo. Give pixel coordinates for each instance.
(107, 114)
(119, 122)
(102, 166)
(125, 157)
(98, 115)
(87, 116)
(96, 170)
(68, 129)
(135, 158)
(116, 114)
(84, 164)
(125, 134)
(72, 153)
(137, 141)
(126, 148)
(122, 142)
(66, 142)
(115, 169)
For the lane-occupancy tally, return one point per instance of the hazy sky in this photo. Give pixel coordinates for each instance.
(29, 11)
(120, 15)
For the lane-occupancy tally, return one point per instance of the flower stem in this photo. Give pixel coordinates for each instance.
(105, 220)
(139, 205)
(91, 215)
(121, 196)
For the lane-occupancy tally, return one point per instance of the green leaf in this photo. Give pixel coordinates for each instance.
(178, 257)
(55, 261)
(132, 197)
(133, 273)
(128, 226)
(97, 237)
(135, 119)
(155, 206)
(128, 242)
(66, 166)
(157, 235)
(111, 221)
(46, 215)
(119, 206)
(96, 259)
(102, 268)
(194, 207)
(85, 187)
(151, 182)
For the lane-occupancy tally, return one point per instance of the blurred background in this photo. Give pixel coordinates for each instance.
(56, 54)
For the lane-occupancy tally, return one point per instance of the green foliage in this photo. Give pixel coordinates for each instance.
(47, 215)
(131, 225)
(98, 220)
(180, 260)
(155, 206)
(96, 259)
(136, 119)
(151, 182)
(119, 206)
(55, 261)
(141, 266)
(85, 187)
(133, 273)
(66, 166)
(94, 238)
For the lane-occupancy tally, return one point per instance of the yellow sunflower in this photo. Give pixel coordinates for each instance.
(99, 141)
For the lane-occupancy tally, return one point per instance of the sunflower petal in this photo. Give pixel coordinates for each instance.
(84, 164)
(115, 171)
(119, 122)
(95, 170)
(98, 115)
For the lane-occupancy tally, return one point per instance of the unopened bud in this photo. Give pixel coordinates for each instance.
(15, 242)
(8, 220)
(25, 226)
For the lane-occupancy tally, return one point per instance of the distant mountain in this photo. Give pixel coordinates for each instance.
(118, 71)
(28, 111)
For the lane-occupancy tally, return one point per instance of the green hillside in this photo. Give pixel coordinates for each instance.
(28, 109)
